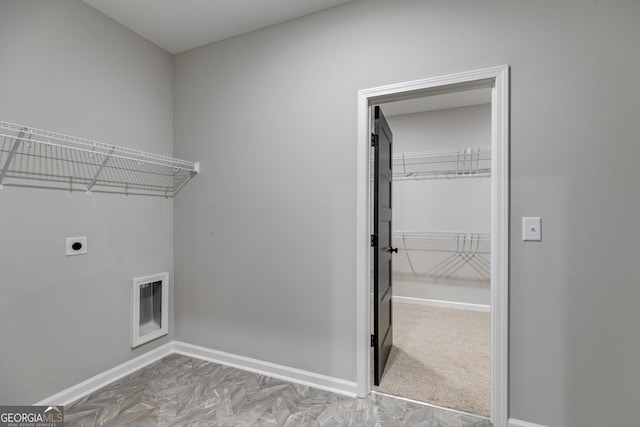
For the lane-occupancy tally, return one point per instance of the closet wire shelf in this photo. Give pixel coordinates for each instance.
(462, 249)
(443, 241)
(37, 158)
(471, 162)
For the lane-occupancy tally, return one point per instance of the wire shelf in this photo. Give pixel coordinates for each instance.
(443, 241)
(32, 157)
(470, 162)
(458, 250)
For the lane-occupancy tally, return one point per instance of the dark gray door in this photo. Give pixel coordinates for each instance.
(382, 338)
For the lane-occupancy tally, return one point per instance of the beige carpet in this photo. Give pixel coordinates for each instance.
(440, 356)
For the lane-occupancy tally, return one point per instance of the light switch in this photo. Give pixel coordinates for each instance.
(532, 229)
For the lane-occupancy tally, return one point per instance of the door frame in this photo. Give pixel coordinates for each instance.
(496, 78)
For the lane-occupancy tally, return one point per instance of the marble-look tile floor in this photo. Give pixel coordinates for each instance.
(182, 391)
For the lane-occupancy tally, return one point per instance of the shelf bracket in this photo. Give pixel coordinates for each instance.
(12, 154)
(104, 163)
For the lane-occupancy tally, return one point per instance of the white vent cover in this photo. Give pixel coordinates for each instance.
(149, 309)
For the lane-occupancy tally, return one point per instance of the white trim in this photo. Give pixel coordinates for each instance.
(498, 79)
(363, 252)
(518, 423)
(500, 248)
(442, 303)
(105, 378)
(298, 376)
(430, 405)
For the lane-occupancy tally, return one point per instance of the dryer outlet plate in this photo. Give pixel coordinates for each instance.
(76, 245)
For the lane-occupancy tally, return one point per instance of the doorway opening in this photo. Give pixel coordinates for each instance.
(441, 198)
(477, 254)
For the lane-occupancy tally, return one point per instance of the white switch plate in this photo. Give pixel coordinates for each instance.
(82, 241)
(531, 229)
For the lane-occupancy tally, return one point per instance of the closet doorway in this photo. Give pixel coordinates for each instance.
(449, 253)
(440, 241)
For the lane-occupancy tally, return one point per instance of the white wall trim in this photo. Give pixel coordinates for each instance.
(442, 303)
(500, 247)
(298, 376)
(517, 423)
(498, 79)
(96, 382)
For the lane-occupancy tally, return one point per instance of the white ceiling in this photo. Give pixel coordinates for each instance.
(179, 25)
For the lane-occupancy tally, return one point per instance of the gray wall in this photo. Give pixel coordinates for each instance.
(67, 68)
(265, 237)
(454, 205)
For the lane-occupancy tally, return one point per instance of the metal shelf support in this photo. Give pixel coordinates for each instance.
(95, 178)
(10, 158)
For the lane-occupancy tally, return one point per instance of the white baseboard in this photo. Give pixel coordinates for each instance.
(444, 304)
(96, 382)
(517, 423)
(298, 376)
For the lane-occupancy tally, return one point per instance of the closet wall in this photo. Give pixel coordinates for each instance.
(441, 205)
(68, 68)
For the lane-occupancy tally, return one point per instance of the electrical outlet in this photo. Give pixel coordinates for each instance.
(76, 245)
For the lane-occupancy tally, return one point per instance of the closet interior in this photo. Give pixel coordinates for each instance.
(442, 272)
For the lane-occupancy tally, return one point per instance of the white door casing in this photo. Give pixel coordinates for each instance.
(497, 78)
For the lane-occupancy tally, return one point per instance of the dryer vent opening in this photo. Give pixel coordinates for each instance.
(149, 314)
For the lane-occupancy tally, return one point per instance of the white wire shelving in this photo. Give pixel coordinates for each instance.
(458, 249)
(37, 158)
(471, 162)
(443, 241)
